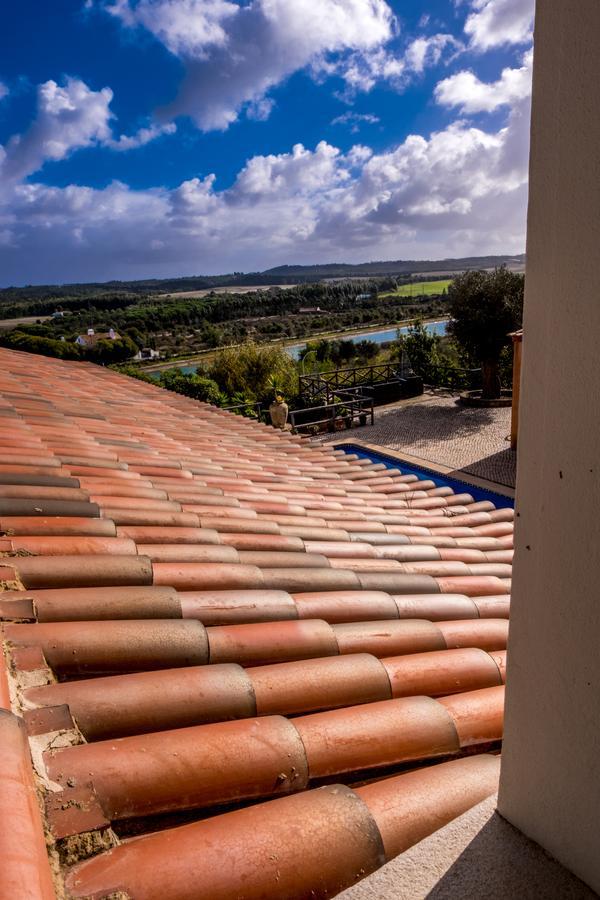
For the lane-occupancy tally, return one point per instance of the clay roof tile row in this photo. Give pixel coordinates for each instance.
(198, 612)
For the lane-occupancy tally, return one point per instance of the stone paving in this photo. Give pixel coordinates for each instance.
(435, 427)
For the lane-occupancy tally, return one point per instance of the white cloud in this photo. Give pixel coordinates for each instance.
(68, 117)
(362, 71)
(142, 136)
(427, 51)
(3, 90)
(235, 53)
(299, 173)
(260, 110)
(494, 23)
(355, 120)
(185, 27)
(460, 191)
(467, 91)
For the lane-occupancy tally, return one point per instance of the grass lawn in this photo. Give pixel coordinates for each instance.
(418, 289)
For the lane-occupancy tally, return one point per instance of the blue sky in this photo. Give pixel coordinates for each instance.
(173, 137)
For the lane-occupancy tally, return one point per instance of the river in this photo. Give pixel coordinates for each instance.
(378, 337)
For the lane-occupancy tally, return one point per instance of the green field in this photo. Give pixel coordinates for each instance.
(418, 289)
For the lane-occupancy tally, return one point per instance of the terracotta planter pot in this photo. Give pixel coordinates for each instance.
(279, 414)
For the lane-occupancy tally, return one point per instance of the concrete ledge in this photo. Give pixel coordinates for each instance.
(478, 855)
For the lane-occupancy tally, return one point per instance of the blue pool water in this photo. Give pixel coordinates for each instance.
(459, 486)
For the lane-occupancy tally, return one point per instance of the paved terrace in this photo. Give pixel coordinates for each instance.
(436, 428)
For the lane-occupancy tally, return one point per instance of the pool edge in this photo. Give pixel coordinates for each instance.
(459, 475)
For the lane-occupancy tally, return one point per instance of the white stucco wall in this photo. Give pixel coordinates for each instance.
(550, 784)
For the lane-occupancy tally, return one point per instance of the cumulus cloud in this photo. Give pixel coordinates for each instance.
(142, 136)
(461, 190)
(185, 27)
(362, 71)
(68, 117)
(495, 23)
(3, 90)
(467, 91)
(235, 53)
(424, 52)
(299, 173)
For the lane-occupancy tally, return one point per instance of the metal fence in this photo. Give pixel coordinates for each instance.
(323, 387)
(249, 410)
(450, 377)
(356, 409)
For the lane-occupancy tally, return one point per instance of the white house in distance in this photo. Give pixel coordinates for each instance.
(91, 338)
(146, 353)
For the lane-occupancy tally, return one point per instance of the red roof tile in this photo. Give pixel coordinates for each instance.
(258, 612)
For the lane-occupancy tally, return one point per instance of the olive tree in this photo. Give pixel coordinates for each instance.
(484, 308)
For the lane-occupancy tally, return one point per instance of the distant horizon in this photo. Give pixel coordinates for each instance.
(257, 272)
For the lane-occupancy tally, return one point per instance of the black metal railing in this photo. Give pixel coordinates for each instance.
(451, 377)
(355, 409)
(249, 410)
(323, 386)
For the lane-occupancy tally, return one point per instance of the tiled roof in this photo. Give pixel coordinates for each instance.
(236, 664)
(90, 340)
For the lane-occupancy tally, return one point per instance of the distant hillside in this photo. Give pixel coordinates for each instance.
(396, 267)
(279, 275)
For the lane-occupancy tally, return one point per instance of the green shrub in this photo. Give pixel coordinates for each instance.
(251, 371)
(134, 372)
(30, 343)
(198, 387)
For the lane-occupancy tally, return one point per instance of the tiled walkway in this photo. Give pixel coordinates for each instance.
(436, 428)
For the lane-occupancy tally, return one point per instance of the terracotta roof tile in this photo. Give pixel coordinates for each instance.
(239, 612)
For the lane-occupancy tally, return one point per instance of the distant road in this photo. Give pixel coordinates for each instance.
(7, 324)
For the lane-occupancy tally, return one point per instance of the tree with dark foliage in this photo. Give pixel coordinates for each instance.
(485, 307)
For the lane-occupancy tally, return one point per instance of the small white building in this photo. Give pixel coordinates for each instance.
(145, 354)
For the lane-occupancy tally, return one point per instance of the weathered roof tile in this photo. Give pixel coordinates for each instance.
(200, 610)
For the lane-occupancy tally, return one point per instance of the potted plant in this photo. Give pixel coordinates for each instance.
(278, 409)
(346, 414)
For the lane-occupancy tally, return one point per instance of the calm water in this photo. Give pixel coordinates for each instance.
(378, 337)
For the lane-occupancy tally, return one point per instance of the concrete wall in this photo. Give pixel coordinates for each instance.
(550, 785)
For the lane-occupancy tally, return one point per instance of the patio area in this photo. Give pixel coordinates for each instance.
(434, 427)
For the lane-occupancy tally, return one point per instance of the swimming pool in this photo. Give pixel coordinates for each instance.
(458, 485)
